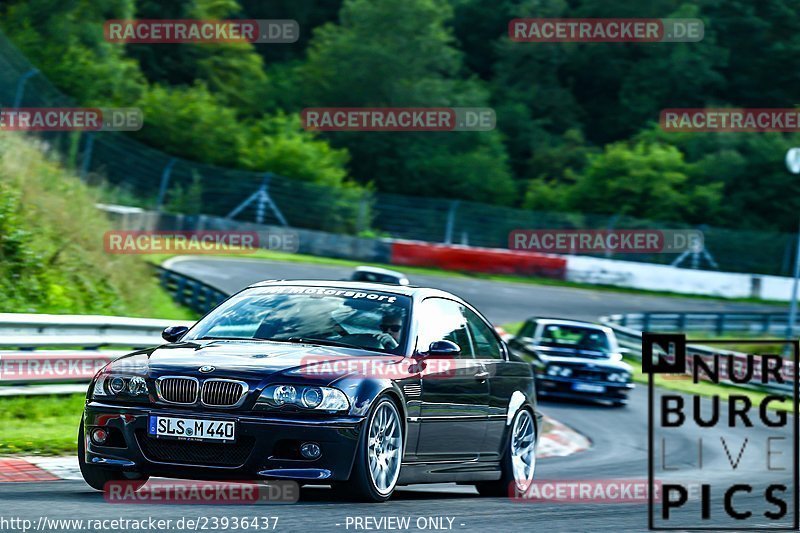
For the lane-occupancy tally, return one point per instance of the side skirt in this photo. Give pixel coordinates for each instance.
(449, 472)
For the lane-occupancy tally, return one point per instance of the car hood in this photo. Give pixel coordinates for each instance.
(250, 360)
(568, 356)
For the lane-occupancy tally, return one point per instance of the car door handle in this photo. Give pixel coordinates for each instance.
(482, 375)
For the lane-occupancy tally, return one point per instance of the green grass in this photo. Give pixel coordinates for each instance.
(163, 306)
(40, 425)
(270, 255)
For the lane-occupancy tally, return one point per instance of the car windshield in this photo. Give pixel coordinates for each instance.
(365, 319)
(376, 277)
(575, 337)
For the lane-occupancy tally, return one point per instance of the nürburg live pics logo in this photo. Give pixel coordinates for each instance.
(724, 450)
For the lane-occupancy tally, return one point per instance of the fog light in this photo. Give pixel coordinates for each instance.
(99, 436)
(310, 450)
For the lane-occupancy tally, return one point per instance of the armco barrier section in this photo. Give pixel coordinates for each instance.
(705, 322)
(193, 293)
(38, 349)
(470, 259)
(28, 331)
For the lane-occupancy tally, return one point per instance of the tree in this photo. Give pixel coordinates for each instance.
(398, 53)
(641, 179)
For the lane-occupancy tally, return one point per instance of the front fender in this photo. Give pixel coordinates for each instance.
(363, 393)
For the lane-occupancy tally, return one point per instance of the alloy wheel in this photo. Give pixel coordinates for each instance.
(385, 446)
(523, 450)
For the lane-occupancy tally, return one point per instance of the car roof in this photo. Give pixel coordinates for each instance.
(567, 322)
(405, 290)
(382, 271)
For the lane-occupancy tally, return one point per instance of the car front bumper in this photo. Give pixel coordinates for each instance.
(566, 388)
(265, 446)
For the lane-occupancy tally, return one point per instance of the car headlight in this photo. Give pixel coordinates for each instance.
(114, 386)
(303, 396)
(555, 370)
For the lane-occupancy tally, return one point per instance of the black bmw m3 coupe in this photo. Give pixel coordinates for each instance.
(359, 385)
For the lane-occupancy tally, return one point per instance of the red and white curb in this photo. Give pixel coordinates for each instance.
(557, 440)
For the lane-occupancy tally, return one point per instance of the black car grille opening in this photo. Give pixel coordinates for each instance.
(178, 390)
(222, 393)
(196, 453)
(592, 375)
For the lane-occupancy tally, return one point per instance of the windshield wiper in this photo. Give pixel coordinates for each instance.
(325, 342)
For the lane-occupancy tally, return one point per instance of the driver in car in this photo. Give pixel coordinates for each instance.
(391, 326)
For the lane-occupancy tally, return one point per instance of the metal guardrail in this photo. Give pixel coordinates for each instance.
(191, 292)
(27, 340)
(716, 323)
(32, 346)
(34, 331)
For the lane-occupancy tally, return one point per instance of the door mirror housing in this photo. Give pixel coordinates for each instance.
(174, 333)
(442, 348)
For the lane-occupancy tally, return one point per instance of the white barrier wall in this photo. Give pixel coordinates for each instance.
(681, 280)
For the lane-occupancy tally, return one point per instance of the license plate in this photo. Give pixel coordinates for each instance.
(192, 429)
(588, 387)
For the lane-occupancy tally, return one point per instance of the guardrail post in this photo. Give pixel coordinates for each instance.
(767, 323)
(180, 286)
(720, 323)
(645, 321)
(681, 321)
(195, 301)
(165, 279)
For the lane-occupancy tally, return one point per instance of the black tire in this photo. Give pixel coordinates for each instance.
(619, 403)
(503, 486)
(97, 477)
(360, 486)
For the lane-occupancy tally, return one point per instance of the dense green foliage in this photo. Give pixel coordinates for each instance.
(52, 256)
(576, 124)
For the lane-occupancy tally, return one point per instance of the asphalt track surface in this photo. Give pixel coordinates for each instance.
(502, 302)
(619, 438)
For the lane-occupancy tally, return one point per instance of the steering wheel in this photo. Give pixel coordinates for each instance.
(371, 340)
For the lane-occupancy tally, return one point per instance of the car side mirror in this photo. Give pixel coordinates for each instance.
(443, 348)
(174, 333)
